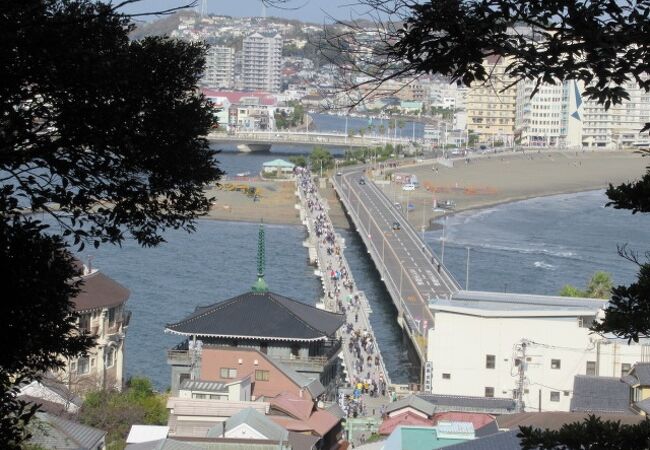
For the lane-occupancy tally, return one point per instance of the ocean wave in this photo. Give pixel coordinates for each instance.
(527, 251)
(543, 265)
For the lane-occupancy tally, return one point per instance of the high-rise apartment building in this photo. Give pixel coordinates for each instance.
(618, 126)
(553, 117)
(261, 62)
(491, 105)
(219, 67)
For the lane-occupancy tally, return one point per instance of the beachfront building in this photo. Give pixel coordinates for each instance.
(101, 309)
(619, 125)
(219, 67)
(262, 62)
(280, 343)
(553, 117)
(490, 106)
(505, 348)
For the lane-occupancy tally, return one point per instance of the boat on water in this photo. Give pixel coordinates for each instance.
(244, 174)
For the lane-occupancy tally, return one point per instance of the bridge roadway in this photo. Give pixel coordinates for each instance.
(412, 273)
(305, 138)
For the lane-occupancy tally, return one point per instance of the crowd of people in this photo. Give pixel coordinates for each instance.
(365, 374)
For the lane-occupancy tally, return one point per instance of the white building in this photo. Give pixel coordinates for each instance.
(261, 62)
(620, 125)
(476, 347)
(552, 117)
(219, 67)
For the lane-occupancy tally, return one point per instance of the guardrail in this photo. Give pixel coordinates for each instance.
(328, 286)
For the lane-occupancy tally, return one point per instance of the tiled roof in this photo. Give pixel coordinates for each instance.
(600, 394)
(259, 422)
(407, 418)
(412, 401)
(163, 444)
(202, 385)
(479, 420)
(300, 441)
(99, 291)
(642, 373)
(262, 315)
(644, 405)
(51, 431)
(293, 405)
(554, 420)
(491, 405)
(499, 441)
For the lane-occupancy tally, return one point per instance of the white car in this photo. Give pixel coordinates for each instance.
(408, 187)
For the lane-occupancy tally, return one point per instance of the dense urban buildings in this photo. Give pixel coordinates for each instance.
(219, 67)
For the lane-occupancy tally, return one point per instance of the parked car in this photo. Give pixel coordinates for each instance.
(396, 226)
(408, 187)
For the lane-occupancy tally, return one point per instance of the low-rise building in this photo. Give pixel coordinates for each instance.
(278, 168)
(499, 345)
(100, 306)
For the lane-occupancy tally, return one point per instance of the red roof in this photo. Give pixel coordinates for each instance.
(408, 418)
(293, 405)
(479, 420)
(265, 98)
(320, 422)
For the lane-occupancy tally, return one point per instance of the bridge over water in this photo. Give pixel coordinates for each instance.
(263, 140)
(412, 273)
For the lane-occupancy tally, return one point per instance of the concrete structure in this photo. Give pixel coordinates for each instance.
(526, 347)
(219, 67)
(491, 105)
(100, 306)
(279, 168)
(618, 126)
(261, 62)
(553, 117)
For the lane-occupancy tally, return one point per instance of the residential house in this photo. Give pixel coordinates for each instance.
(52, 431)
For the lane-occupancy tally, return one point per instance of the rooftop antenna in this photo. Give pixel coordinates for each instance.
(260, 284)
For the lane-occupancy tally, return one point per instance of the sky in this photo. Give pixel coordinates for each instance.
(317, 11)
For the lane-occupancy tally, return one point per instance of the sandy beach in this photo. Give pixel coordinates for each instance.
(490, 180)
(482, 182)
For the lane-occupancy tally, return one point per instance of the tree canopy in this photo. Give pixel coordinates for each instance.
(106, 136)
(599, 286)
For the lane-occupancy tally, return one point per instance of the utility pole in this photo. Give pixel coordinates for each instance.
(467, 272)
(521, 360)
(442, 253)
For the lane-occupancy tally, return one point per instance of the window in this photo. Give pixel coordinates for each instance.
(446, 376)
(261, 375)
(111, 316)
(555, 396)
(625, 369)
(591, 367)
(264, 347)
(490, 361)
(110, 357)
(555, 364)
(566, 393)
(83, 366)
(228, 373)
(84, 322)
(199, 396)
(489, 392)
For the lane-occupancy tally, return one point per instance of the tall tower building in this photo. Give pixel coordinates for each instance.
(491, 105)
(261, 62)
(219, 67)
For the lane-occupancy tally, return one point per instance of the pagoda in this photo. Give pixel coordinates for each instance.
(294, 335)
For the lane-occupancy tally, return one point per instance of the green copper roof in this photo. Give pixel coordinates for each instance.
(260, 284)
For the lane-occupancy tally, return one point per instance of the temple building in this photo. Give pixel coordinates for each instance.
(279, 344)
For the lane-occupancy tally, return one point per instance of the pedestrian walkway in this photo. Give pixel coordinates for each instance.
(366, 376)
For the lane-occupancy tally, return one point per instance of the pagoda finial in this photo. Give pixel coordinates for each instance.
(260, 284)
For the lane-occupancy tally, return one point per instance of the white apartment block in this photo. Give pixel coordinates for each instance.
(261, 62)
(475, 347)
(618, 126)
(553, 117)
(219, 67)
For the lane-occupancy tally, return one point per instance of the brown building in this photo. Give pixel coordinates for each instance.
(100, 306)
(259, 334)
